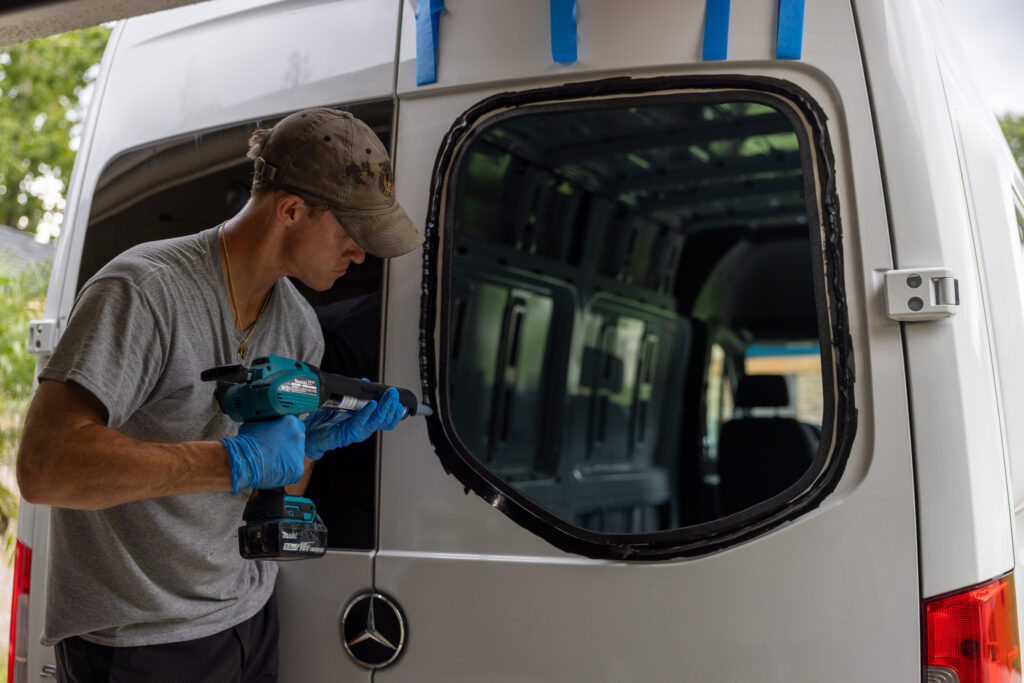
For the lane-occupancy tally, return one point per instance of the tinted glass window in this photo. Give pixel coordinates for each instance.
(184, 185)
(621, 274)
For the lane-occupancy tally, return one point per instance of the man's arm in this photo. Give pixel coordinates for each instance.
(70, 458)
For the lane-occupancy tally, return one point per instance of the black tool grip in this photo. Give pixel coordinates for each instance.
(233, 374)
(334, 387)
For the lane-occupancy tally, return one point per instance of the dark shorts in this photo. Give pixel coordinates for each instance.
(246, 653)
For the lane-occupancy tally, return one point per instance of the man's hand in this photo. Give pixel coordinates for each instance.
(266, 455)
(327, 429)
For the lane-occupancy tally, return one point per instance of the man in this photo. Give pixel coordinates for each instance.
(147, 478)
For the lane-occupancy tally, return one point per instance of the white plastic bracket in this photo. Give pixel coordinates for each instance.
(918, 294)
(42, 337)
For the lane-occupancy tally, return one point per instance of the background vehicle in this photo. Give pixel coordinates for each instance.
(685, 439)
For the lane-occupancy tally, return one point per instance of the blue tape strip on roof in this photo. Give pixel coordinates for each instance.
(716, 30)
(428, 24)
(791, 29)
(563, 31)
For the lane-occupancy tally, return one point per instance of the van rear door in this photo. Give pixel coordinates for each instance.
(163, 155)
(641, 271)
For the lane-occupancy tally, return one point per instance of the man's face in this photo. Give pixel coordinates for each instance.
(321, 250)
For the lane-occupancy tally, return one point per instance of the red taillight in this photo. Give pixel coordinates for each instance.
(17, 652)
(974, 632)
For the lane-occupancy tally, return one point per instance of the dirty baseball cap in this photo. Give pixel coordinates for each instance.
(330, 157)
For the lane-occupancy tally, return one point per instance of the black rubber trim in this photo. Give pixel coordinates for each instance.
(840, 417)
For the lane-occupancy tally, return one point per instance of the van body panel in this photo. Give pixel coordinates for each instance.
(512, 42)
(756, 612)
(311, 597)
(992, 183)
(512, 607)
(964, 510)
(322, 67)
(990, 191)
(488, 42)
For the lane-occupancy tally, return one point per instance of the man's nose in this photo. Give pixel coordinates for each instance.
(356, 254)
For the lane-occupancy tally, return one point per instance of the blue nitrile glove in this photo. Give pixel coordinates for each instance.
(266, 455)
(327, 429)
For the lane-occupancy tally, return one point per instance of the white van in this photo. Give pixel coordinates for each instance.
(719, 313)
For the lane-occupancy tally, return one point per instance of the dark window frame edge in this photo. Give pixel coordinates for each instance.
(830, 297)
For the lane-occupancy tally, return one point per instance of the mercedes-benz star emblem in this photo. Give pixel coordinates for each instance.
(373, 630)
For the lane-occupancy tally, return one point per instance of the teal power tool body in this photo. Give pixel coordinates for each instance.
(279, 526)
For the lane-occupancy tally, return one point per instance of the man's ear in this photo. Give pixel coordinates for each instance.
(288, 208)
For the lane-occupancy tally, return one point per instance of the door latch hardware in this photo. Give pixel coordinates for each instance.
(918, 294)
(42, 337)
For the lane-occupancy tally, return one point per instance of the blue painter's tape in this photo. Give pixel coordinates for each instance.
(563, 31)
(791, 29)
(716, 29)
(428, 26)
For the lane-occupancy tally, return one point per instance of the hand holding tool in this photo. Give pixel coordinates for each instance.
(330, 428)
(342, 410)
(266, 455)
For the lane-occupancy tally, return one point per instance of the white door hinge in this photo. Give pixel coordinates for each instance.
(42, 337)
(921, 294)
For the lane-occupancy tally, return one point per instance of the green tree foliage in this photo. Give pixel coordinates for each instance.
(22, 294)
(41, 83)
(1013, 129)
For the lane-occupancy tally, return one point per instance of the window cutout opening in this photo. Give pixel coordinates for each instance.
(661, 253)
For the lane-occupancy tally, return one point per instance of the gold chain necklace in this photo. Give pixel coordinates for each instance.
(243, 348)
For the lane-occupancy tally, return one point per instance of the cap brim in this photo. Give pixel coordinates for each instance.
(384, 234)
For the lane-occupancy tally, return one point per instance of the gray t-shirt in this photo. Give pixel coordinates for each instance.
(141, 332)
